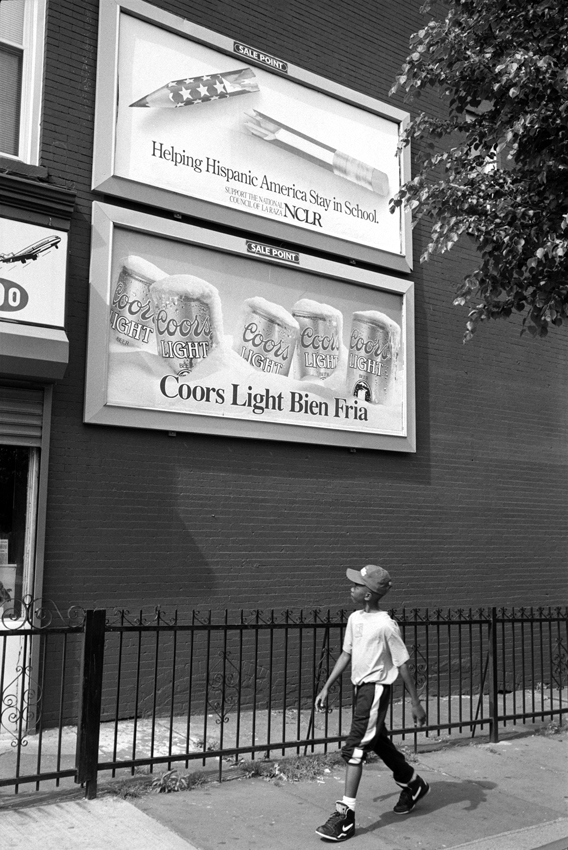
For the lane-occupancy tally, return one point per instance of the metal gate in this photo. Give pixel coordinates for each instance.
(40, 656)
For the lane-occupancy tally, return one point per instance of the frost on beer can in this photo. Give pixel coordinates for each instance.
(188, 320)
(321, 332)
(131, 310)
(267, 336)
(374, 347)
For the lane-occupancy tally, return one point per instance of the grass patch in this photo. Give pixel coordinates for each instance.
(552, 728)
(294, 768)
(297, 768)
(132, 787)
(173, 780)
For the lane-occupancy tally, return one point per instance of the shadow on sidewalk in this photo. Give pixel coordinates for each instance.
(442, 794)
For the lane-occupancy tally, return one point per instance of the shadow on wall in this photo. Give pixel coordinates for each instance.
(119, 544)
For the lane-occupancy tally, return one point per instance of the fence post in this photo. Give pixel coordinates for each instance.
(87, 755)
(492, 658)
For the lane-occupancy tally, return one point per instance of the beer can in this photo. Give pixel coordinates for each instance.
(188, 320)
(266, 337)
(374, 347)
(321, 330)
(131, 310)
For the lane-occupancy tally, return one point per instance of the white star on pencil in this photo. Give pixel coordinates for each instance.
(186, 92)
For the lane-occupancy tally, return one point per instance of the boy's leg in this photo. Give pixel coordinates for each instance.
(393, 758)
(371, 703)
(368, 700)
(353, 775)
(413, 786)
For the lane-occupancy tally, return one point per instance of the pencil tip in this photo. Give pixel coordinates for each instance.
(142, 102)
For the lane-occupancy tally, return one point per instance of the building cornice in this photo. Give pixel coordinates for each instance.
(35, 201)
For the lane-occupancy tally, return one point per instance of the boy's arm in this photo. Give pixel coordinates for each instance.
(417, 709)
(340, 666)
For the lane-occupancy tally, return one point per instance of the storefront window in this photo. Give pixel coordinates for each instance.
(18, 498)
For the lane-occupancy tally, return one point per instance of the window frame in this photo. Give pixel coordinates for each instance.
(32, 46)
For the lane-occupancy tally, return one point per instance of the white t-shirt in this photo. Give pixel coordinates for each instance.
(377, 650)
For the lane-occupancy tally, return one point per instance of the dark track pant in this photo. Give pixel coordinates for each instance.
(369, 733)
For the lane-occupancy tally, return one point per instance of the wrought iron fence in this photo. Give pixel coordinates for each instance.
(40, 657)
(222, 689)
(102, 695)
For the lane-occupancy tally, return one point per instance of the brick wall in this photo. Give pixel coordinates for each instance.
(136, 518)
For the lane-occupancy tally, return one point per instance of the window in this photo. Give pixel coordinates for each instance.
(22, 25)
(19, 468)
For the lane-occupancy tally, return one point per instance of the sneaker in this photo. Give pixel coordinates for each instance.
(340, 826)
(410, 795)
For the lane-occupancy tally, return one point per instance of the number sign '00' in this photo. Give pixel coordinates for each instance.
(13, 297)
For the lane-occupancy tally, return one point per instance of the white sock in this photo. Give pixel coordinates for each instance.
(349, 801)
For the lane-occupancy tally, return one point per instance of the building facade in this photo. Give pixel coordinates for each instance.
(132, 482)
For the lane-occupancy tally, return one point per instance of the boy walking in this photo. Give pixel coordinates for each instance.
(377, 654)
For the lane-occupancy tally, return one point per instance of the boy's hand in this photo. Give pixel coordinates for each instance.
(321, 700)
(418, 713)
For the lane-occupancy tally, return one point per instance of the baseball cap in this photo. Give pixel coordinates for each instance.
(374, 577)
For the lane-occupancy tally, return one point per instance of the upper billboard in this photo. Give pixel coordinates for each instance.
(196, 122)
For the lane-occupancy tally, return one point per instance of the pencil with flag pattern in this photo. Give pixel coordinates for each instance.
(209, 87)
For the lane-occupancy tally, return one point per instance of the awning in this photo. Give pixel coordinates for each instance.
(33, 352)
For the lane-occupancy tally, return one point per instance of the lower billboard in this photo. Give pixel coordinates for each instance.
(199, 331)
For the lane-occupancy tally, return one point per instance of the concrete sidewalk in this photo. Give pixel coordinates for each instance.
(506, 796)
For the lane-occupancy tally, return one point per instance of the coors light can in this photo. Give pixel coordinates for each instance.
(131, 310)
(373, 356)
(187, 316)
(267, 336)
(321, 331)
